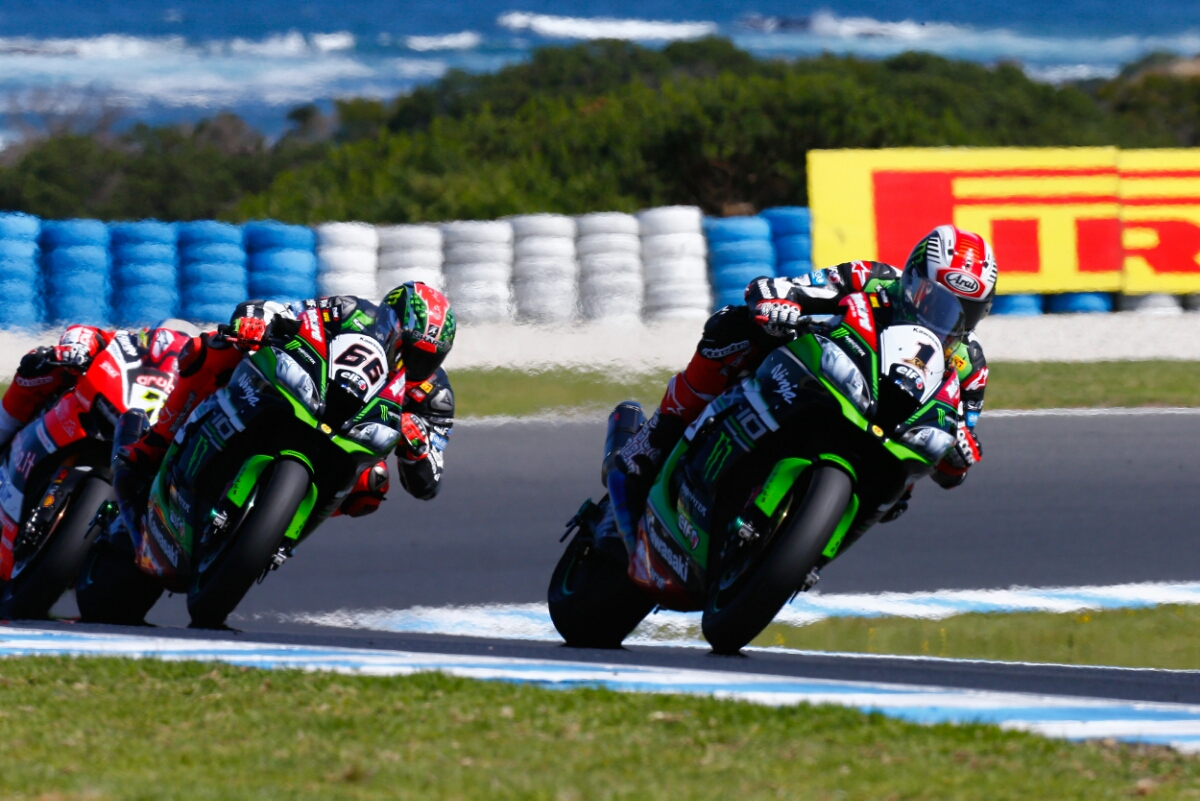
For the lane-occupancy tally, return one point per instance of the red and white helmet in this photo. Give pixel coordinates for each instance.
(963, 263)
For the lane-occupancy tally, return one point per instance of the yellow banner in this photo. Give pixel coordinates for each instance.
(1053, 215)
(1160, 216)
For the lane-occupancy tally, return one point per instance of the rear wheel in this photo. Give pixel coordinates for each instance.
(112, 589)
(750, 591)
(33, 591)
(592, 601)
(220, 585)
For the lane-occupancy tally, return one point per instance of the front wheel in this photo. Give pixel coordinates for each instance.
(52, 570)
(220, 586)
(592, 601)
(745, 598)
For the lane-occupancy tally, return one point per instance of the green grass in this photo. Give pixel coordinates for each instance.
(110, 728)
(1012, 385)
(1158, 637)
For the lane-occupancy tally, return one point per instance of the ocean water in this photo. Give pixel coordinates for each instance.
(166, 60)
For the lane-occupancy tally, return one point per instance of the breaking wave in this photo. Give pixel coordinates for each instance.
(640, 30)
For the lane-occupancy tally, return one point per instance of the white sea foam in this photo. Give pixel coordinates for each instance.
(466, 40)
(604, 27)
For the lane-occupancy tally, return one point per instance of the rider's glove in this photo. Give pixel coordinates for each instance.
(777, 316)
(250, 332)
(414, 439)
(75, 357)
(38, 362)
(952, 469)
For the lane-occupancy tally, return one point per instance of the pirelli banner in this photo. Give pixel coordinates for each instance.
(1059, 219)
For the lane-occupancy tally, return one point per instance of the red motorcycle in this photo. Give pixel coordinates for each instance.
(56, 473)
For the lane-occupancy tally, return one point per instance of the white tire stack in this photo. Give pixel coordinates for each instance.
(674, 257)
(347, 258)
(544, 268)
(409, 253)
(610, 265)
(478, 266)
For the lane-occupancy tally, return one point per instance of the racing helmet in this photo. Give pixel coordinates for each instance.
(417, 325)
(962, 262)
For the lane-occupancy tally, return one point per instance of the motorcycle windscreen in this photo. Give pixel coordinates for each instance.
(913, 357)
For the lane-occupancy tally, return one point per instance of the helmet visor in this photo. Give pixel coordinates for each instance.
(931, 305)
(419, 364)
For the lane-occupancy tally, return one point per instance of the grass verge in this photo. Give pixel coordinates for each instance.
(1156, 637)
(110, 728)
(1011, 385)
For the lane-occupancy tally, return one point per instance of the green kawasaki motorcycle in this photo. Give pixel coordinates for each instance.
(258, 466)
(778, 476)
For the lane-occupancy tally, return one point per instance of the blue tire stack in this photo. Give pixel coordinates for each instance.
(143, 272)
(1017, 305)
(1079, 303)
(20, 271)
(739, 250)
(75, 271)
(282, 261)
(212, 270)
(791, 234)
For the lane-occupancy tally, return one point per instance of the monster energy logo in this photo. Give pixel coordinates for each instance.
(941, 417)
(718, 456)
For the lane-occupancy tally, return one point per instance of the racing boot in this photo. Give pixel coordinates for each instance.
(132, 475)
(633, 474)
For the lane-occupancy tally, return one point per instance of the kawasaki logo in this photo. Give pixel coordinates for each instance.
(674, 561)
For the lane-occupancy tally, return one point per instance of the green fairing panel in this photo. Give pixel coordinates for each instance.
(661, 501)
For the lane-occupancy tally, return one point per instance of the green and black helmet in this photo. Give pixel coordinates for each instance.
(418, 325)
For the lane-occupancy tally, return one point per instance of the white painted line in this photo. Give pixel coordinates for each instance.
(1111, 411)
(532, 621)
(1058, 716)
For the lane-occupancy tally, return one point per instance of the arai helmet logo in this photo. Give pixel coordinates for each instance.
(962, 282)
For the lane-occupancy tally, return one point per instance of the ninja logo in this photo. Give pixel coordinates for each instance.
(717, 457)
(785, 388)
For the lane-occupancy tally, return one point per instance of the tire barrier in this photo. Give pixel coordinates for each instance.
(75, 271)
(477, 266)
(144, 274)
(1079, 302)
(675, 264)
(739, 250)
(791, 234)
(212, 270)
(1017, 305)
(347, 260)
(1155, 303)
(409, 253)
(610, 266)
(281, 261)
(666, 263)
(20, 271)
(545, 273)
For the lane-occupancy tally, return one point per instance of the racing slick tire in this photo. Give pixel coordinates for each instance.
(31, 594)
(220, 585)
(112, 589)
(745, 598)
(592, 601)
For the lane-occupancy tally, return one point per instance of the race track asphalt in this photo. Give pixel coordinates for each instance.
(1057, 501)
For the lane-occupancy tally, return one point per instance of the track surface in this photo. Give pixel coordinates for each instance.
(1060, 680)
(1057, 501)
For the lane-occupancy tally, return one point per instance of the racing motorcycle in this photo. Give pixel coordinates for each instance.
(775, 479)
(256, 468)
(56, 474)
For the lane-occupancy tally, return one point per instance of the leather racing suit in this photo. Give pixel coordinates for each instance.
(207, 364)
(47, 372)
(734, 344)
